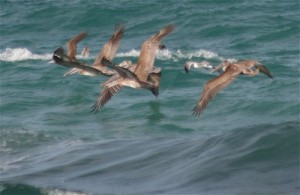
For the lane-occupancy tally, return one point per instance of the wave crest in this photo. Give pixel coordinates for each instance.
(20, 54)
(178, 55)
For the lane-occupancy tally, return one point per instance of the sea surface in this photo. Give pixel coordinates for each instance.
(247, 141)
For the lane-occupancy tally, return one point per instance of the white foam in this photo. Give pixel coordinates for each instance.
(177, 55)
(131, 53)
(62, 192)
(20, 54)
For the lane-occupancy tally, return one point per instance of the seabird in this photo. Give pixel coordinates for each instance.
(144, 75)
(192, 64)
(108, 51)
(231, 71)
(61, 58)
(248, 65)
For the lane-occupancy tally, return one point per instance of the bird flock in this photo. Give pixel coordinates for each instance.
(144, 74)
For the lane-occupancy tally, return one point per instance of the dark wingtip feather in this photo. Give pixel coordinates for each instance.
(154, 91)
(197, 111)
(186, 70)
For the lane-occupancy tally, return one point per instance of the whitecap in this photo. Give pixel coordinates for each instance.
(178, 55)
(131, 53)
(19, 54)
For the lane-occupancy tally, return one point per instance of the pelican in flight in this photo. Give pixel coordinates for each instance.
(192, 64)
(72, 48)
(108, 51)
(142, 75)
(231, 71)
(61, 58)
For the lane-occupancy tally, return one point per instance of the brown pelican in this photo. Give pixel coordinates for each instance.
(231, 71)
(192, 64)
(108, 51)
(248, 65)
(144, 75)
(72, 47)
(61, 58)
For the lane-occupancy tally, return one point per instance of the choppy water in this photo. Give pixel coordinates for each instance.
(246, 142)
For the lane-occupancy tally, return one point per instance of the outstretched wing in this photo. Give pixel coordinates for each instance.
(110, 48)
(213, 86)
(148, 53)
(60, 58)
(72, 45)
(106, 93)
(264, 70)
(123, 72)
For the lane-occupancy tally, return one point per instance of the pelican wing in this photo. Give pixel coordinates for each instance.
(154, 79)
(123, 72)
(72, 45)
(148, 53)
(213, 86)
(110, 48)
(264, 70)
(63, 61)
(110, 88)
(105, 95)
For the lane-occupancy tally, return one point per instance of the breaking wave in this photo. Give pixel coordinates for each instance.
(21, 54)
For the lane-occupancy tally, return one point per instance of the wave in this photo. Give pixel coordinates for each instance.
(253, 155)
(22, 54)
(28, 189)
(179, 55)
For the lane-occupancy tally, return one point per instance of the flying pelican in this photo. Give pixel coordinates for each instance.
(248, 64)
(61, 58)
(144, 75)
(108, 51)
(192, 64)
(231, 71)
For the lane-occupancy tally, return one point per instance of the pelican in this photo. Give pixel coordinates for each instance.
(61, 58)
(85, 52)
(71, 48)
(192, 64)
(143, 75)
(231, 71)
(248, 65)
(108, 51)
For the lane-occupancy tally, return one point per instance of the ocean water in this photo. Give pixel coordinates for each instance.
(247, 141)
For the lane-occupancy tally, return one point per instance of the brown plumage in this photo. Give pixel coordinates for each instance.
(148, 53)
(108, 51)
(231, 71)
(61, 58)
(248, 66)
(72, 46)
(124, 77)
(142, 75)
